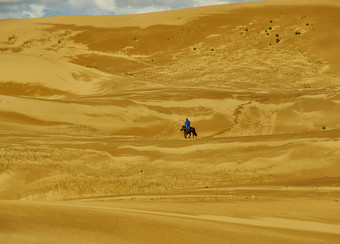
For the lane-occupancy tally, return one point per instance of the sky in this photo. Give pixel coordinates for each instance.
(45, 8)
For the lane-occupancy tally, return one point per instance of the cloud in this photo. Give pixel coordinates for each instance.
(27, 1)
(106, 5)
(198, 3)
(35, 11)
(19, 10)
(42, 8)
(145, 6)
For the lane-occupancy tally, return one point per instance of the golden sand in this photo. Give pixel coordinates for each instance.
(91, 108)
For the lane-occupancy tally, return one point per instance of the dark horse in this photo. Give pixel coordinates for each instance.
(187, 132)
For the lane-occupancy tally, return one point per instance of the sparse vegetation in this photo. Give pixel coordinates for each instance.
(297, 33)
(12, 38)
(91, 66)
(26, 43)
(324, 127)
(277, 40)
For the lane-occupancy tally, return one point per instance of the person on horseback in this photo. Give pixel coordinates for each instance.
(187, 129)
(187, 123)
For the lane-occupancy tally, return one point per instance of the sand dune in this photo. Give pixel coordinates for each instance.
(91, 109)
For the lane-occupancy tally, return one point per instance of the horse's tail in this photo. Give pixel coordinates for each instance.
(195, 134)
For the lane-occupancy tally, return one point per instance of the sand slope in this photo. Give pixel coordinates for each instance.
(91, 108)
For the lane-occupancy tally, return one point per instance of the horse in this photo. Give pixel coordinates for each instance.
(187, 132)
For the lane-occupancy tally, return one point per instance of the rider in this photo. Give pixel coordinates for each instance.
(187, 123)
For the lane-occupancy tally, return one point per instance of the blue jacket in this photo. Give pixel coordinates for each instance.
(187, 123)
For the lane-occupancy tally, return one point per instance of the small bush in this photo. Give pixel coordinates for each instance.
(324, 127)
(297, 33)
(12, 38)
(277, 40)
(270, 28)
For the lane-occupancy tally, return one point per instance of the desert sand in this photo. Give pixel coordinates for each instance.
(91, 109)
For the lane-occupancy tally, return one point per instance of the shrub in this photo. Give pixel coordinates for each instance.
(12, 37)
